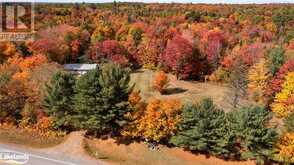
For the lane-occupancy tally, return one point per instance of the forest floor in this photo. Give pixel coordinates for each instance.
(138, 153)
(186, 91)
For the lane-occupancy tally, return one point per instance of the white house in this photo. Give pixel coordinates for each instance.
(80, 68)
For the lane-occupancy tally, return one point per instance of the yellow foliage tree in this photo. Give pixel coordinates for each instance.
(284, 101)
(157, 121)
(102, 32)
(258, 77)
(285, 148)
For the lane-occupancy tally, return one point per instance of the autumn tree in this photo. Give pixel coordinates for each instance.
(258, 76)
(211, 44)
(109, 50)
(252, 53)
(181, 58)
(277, 81)
(284, 100)
(161, 82)
(62, 43)
(102, 32)
(148, 52)
(157, 122)
(7, 50)
(285, 148)
(12, 101)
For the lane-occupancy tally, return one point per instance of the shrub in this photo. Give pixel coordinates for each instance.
(59, 99)
(203, 128)
(161, 82)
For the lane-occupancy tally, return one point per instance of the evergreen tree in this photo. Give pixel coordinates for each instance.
(101, 99)
(59, 99)
(114, 81)
(203, 128)
(87, 102)
(276, 59)
(252, 137)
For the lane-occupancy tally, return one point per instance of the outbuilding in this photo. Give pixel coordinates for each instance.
(80, 68)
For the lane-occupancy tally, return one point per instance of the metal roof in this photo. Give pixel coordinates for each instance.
(80, 67)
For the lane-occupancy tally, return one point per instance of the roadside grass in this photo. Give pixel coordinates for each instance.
(31, 139)
(138, 154)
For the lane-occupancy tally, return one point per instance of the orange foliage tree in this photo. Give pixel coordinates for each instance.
(156, 122)
(7, 50)
(285, 148)
(161, 82)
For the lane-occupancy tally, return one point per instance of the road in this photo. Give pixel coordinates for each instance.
(70, 152)
(37, 158)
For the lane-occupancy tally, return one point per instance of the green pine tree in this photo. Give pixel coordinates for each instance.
(203, 128)
(276, 59)
(59, 99)
(102, 99)
(252, 137)
(88, 103)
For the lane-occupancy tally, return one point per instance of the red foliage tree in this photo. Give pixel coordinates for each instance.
(277, 81)
(108, 50)
(179, 57)
(211, 44)
(62, 43)
(252, 53)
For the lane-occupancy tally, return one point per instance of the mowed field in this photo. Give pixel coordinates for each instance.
(186, 91)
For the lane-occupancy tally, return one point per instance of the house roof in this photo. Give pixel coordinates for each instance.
(80, 67)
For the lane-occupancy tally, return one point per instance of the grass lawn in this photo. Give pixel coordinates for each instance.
(138, 154)
(187, 91)
(19, 136)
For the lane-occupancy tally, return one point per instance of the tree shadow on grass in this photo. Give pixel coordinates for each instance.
(170, 91)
